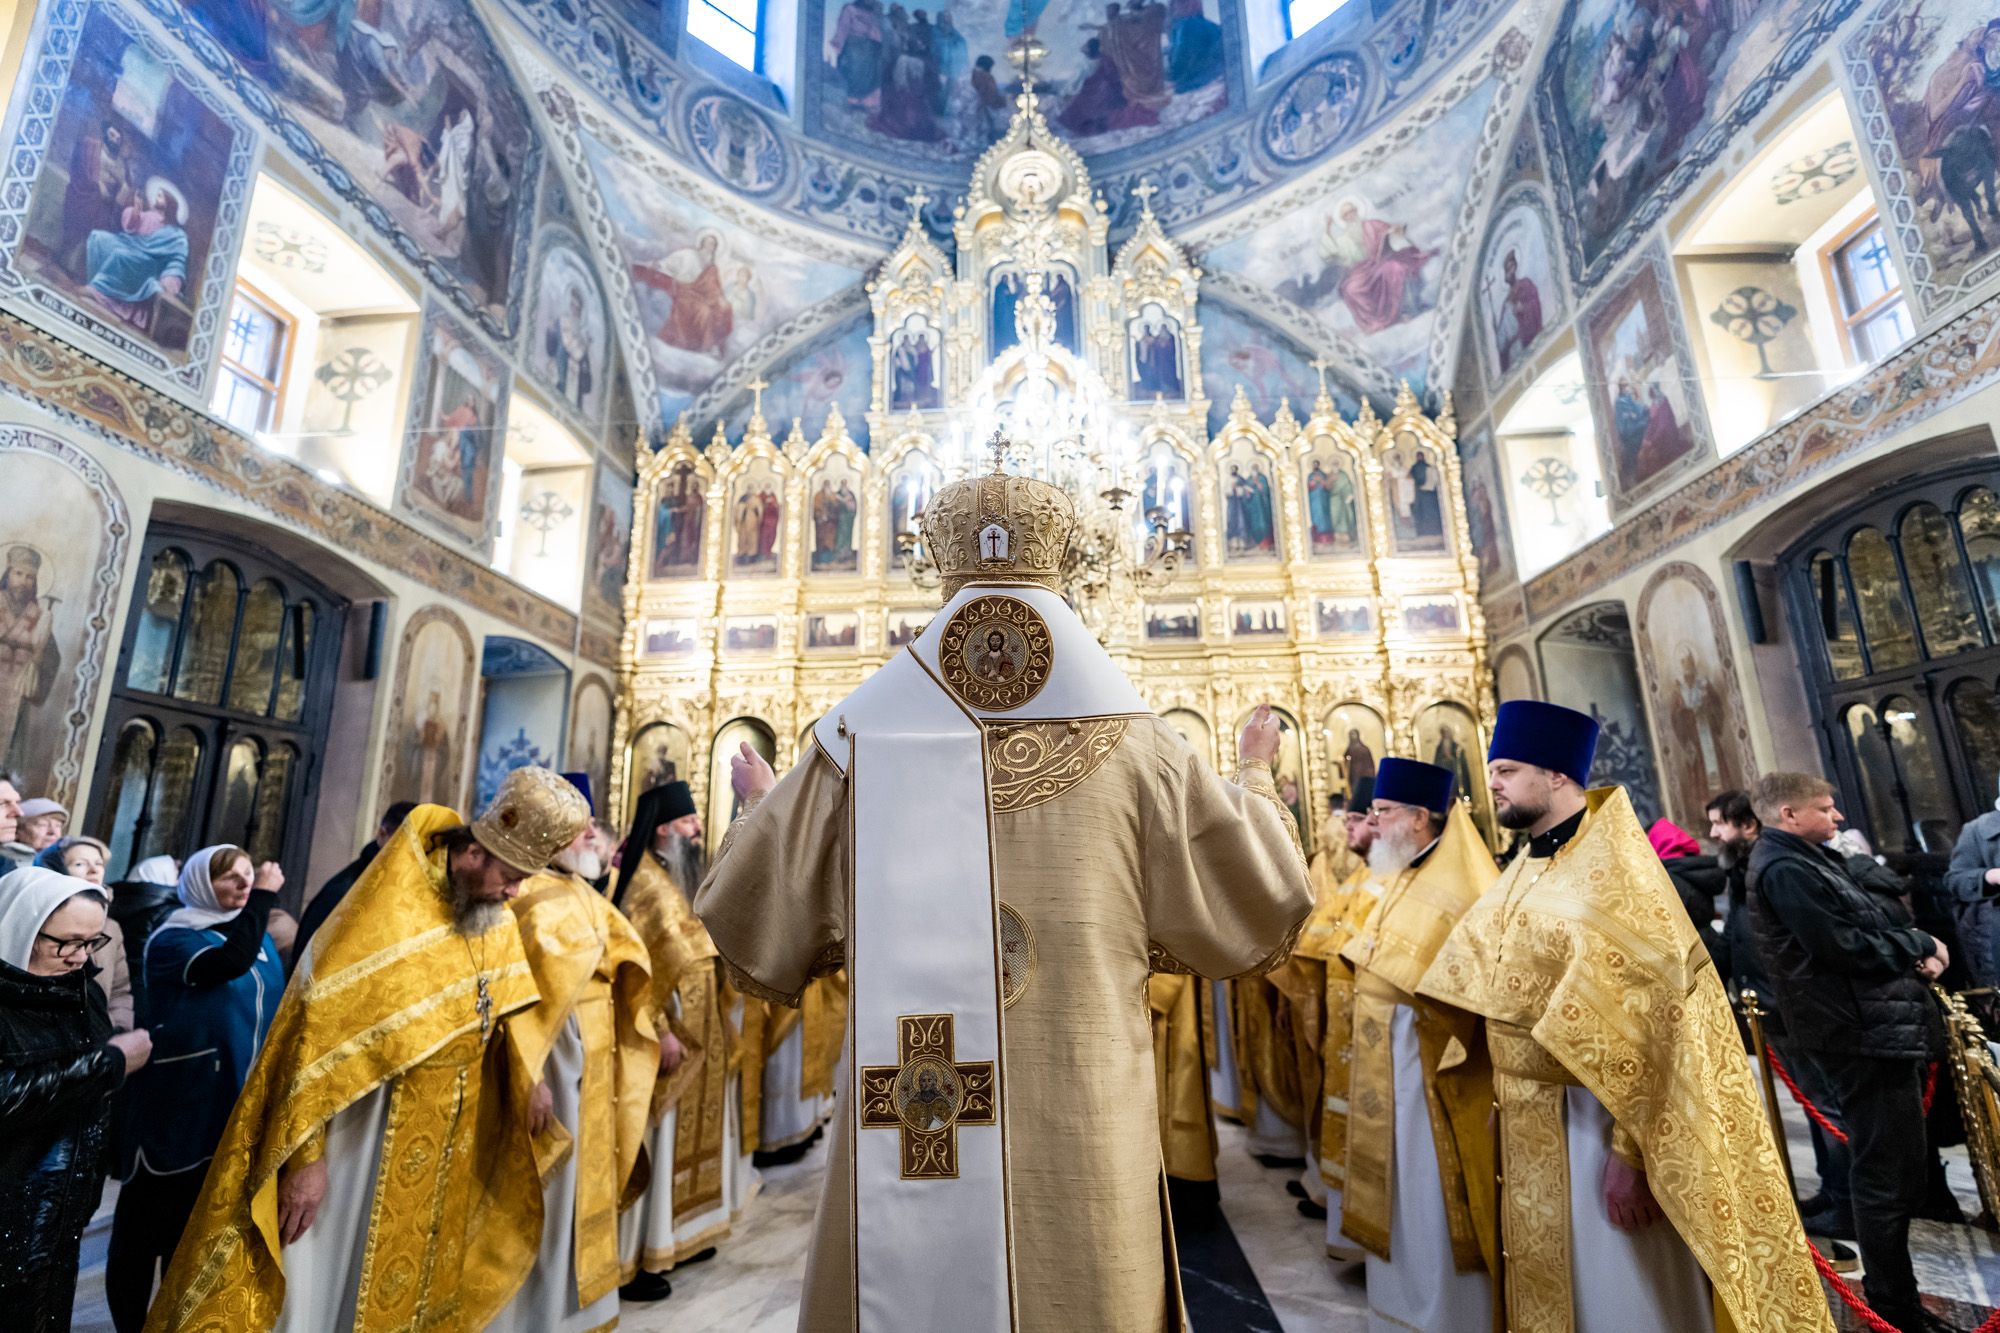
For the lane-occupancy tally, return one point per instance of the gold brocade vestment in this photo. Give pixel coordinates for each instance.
(389, 995)
(1389, 955)
(1588, 972)
(1187, 1124)
(589, 963)
(687, 982)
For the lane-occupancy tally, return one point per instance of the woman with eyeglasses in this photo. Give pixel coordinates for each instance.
(60, 1063)
(83, 858)
(213, 980)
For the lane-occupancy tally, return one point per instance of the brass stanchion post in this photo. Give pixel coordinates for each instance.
(1755, 1013)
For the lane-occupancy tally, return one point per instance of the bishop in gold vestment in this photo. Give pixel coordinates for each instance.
(702, 1176)
(1113, 851)
(1624, 1094)
(376, 1173)
(1419, 1188)
(584, 1058)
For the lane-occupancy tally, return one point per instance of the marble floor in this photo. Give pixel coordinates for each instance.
(753, 1283)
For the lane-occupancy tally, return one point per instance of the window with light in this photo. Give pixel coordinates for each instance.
(1302, 16)
(254, 347)
(730, 26)
(1868, 293)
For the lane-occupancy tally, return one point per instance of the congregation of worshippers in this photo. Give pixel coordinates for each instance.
(503, 1052)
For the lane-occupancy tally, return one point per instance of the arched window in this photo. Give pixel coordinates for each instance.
(219, 710)
(732, 27)
(1895, 603)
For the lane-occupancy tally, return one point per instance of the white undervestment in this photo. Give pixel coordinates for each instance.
(786, 1117)
(323, 1267)
(647, 1232)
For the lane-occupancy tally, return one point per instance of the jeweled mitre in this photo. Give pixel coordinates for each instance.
(998, 528)
(535, 814)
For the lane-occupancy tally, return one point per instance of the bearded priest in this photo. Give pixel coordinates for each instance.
(584, 1060)
(1419, 1189)
(702, 1175)
(1642, 1191)
(1001, 841)
(376, 1173)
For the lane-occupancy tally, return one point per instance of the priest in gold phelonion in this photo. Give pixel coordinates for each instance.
(1419, 1178)
(1001, 840)
(377, 1172)
(1642, 1191)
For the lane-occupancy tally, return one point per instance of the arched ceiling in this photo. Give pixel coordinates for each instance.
(1391, 114)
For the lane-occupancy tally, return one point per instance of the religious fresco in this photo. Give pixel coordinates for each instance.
(916, 366)
(433, 700)
(1485, 506)
(1248, 490)
(658, 754)
(833, 501)
(589, 748)
(1369, 261)
(1316, 109)
(830, 369)
(1172, 622)
(124, 197)
(1588, 664)
(411, 115)
(1155, 358)
(679, 511)
(1448, 736)
(457, 426)
(1692, 683)
(1431, 616)
(706, 292)
(1006, 285)
(668, 638)
(735, 142)
(1257, 618)
(1288, 770)
(909, 491)
(833, 630)
(1354, 740)
(937, 85)
(1637, 95)
(1924, 78)
(723, 802)
(1414, 481)
(756, 519)
(1238, 350)
(902, 625)
(1334, 502)
(569, 332)
(1343, 617)
(63, 538)
(750, 634)
(1641, 376)
(610, 551)
(1518, 293)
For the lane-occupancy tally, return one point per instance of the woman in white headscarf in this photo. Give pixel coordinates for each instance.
(59, 1065)
(213, 978)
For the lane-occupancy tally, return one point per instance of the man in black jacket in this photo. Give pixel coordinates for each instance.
(1850, 970)
(330, 893)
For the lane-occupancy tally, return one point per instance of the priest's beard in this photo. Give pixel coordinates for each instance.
(685, 861)
(1519, 814)
(470, 915)
(584, 863)
(1391, 853)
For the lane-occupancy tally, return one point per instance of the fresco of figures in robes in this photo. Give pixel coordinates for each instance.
(1333, 499)
(916, 366)
(415, 108)
(1519, 295)
(756, 519)
(1153, 349)
(909, 491)
(569, 337)
(1448, 736)
(434, 676)
(835, 368)
(1640, 373)
(1415, 483)
(1343, 617)
(1288, 770)
(610, 544)
(937, 83)
(1008, 288)
(1631, 89)
(1169, 622)
(136, 194)
(589, 747)
(457, 426)
(1485, 514)
(1249, 496)
(680, 508)
(660, 753)
(834, 510)
(1937, 83)
(1691, 678)
(1355, 741)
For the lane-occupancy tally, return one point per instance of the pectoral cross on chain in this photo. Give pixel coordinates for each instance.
(927, 1096)
(485, 1006)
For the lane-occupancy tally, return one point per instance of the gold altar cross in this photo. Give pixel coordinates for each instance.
(1322, 365)
(927, 1096)
(757, 387)
(1144, 192)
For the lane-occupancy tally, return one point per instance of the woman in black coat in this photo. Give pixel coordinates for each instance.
(59, 1065)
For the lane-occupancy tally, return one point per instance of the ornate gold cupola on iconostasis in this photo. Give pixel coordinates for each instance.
(1322, 565)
